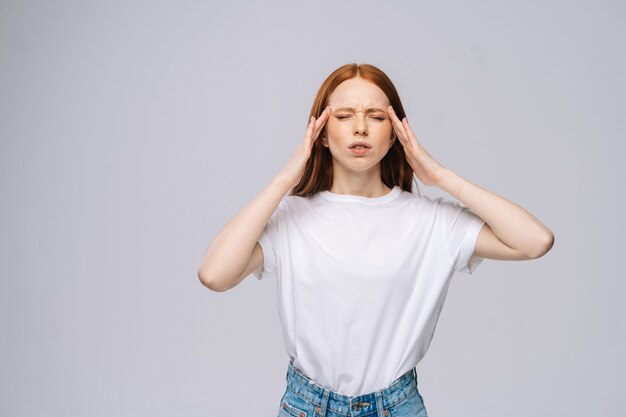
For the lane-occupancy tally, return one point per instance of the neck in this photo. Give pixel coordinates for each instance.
(365, 184)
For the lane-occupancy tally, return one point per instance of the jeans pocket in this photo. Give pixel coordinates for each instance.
(293, 406)
(412, 406)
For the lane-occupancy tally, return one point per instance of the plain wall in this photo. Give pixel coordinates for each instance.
(131, 132)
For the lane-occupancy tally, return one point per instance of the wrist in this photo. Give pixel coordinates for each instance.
(450, 182)
(283, 181)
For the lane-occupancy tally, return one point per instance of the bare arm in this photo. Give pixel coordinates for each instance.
(510, 232)
(229, 252)
(234, 253)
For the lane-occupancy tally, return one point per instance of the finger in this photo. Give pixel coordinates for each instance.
(321, 121)
(398, 127)
(310, 125)
(311, 134)
(395, 122)
(323, 117)
(309, 128)
(408, 129)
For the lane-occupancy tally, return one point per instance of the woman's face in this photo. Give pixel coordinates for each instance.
(358, 113)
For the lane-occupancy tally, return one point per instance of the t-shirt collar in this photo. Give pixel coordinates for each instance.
(349, 198)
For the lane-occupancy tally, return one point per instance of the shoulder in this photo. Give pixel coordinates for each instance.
(440, 209)
(441, 204)
(294, 201)
(423, 201)
(291, 205)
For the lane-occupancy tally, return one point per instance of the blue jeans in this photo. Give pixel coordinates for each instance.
(305, 398)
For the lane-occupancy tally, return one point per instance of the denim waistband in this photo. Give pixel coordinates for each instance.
(361, 405)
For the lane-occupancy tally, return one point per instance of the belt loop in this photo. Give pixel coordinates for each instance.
(324, 404)
(289, 366)
(380, 410)
(414, 373)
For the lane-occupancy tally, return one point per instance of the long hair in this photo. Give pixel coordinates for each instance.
(394, 168)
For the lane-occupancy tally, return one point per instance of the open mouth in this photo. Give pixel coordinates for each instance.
(360, 145)
(360, 150)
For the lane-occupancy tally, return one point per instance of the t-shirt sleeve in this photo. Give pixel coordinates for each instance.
(461, 229)
(269, 243)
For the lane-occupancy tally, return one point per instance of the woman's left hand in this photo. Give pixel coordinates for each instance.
(428, 171)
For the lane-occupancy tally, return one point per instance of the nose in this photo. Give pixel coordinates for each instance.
(360, 127)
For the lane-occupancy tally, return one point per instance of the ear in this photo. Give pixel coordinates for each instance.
(324, 141)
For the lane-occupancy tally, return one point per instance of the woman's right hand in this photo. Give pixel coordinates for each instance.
(294, 169)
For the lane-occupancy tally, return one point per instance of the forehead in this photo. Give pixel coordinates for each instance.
(359, 94)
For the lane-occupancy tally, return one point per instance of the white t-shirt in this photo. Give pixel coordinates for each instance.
(361, 281)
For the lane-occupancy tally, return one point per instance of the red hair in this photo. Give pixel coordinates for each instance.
(318, 173)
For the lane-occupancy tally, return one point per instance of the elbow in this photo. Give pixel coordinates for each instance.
(544, 246)
(210, 282)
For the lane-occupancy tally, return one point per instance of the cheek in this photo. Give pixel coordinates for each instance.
(385, 131)
(332, 126)
(385, 126)
(333, 132)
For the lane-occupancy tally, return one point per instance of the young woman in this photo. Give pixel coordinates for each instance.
(363, 263)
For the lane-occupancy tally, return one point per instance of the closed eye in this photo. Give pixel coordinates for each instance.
(375, 117)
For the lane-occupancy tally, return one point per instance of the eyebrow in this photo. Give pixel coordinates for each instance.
(369, 110)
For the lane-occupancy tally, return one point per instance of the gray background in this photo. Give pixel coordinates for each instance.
(133, 131)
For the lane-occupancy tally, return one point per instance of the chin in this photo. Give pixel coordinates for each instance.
(358, 163)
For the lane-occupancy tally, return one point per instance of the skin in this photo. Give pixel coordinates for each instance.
(510, 231)
(358, 174)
